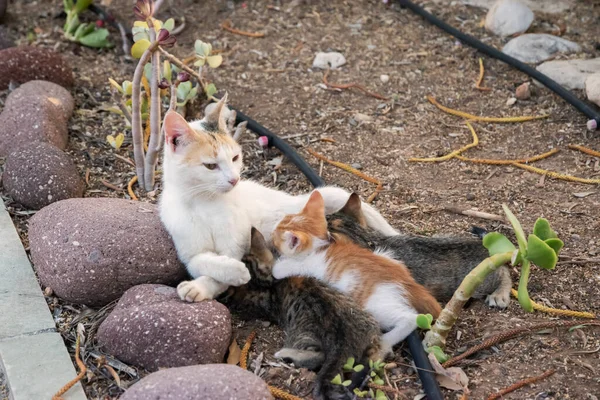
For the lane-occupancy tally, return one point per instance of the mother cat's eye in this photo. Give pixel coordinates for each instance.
(210, 166)
(234, 159)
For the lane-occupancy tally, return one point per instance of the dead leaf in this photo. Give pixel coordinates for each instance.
(452, 378)
(276, 162)
(234, 353)
(114, 375)
(583, 194)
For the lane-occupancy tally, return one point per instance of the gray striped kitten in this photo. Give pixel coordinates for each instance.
(438, 263)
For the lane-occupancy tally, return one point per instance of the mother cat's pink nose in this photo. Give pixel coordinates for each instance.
(234, 181)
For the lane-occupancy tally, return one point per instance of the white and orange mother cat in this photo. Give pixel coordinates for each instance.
(209, 211)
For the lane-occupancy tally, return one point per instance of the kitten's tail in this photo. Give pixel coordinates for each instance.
(334, 360)
(422, 300)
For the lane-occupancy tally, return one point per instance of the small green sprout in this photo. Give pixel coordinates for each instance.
(88, 34)
(375, 375)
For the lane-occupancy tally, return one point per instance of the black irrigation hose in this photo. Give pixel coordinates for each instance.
(569, 97)
(424, 368)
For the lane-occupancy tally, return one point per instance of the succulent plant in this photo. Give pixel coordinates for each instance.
(89, 34)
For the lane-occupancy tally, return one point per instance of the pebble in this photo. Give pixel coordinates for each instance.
(331, 60)
(523, 92)
(511, 101)
(470, 196)
(384, 78)
(508, 17)
(571, 74)
(534, 48)
(356, 166)
(592, 88)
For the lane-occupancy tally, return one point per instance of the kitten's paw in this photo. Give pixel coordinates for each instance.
(193, 291)
(238, 275)
(499, 298)
(279, 272)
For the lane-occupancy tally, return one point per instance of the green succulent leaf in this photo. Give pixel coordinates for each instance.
(518, 229)
(143, 35)
(438, 353)
(542, 229)
(540, 253)
(214, 61)
(380, 395)
(200, 62)
(424, 322)
(169, 24)
(358, 368)
(523, 295)
(202, 49)
(96, 39)
(210, 90)
(82, 5)
(378, 381)
(193, 93)
(497, 243)
(347, 383)
(139, 47)
(167, 71)
(556, 244)
(337, 380)
(127, 87)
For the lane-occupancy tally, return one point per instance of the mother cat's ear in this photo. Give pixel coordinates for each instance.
(217, 115)
(353, 209)
(177, 131)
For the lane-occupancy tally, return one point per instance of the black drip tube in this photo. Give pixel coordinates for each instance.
(569, 97)
(430, 385)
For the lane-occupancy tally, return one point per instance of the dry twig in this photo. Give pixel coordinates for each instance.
(520, 384)
(472, 117)
(350, 86)
(480, 79)
(549, 310)
(80, 375)
(227, 26)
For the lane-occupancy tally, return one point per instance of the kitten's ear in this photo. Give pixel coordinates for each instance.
(217, 115)
(177, 130)
(258, 245)
(315, 206)
(353, 209)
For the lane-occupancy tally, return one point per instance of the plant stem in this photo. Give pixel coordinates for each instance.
(439, 332)
(523, 295)
(136, 117)
(155, 117)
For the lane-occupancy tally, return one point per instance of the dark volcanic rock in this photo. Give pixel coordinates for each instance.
(200, 382)
(41, 174)
(152, 328)
(92, 250)
(26, 63)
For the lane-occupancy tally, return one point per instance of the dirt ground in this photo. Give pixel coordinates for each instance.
(271, 80)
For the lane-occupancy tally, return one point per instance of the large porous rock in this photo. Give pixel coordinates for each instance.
(40, 174)
(34, 95)
(152, 328)
(592, 88)
(570, 73)
(92, 250)
(26, 63)
(507, 17)
(200, 382)
(537, 47)
(36, 111)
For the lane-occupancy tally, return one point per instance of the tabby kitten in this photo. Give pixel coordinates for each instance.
(438, 263)
(381, 285)
(323, 327)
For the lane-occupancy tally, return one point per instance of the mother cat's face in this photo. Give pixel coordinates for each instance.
(202, 157)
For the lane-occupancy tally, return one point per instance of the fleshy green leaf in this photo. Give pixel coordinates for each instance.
(210, 90)
(82, 5)
(523, 295)
(167, 72)
(139, 47)
(214, 61)
(141, 36)
(193, 93)
(518, 229)
(148, 72)
(349, 364)
(127, 87)
(116, 85)
(202, 49)
(347, 383)
(378, 381)
(540, 253)
(358, 368)
(169, 24)
(380, 395)
(555, 243)
(497, 243)
(439, 354)
(96, 39)
(200, 62)
(423, 321)
(542, 229)
(337, 380)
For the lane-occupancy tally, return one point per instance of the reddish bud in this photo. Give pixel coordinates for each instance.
(100, 23)
(165, 39)
(143, 9)
(163, 84)
(183, 76)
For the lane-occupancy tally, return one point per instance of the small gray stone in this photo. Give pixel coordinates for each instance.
(152, 328)
(570, 73)
(537, 47)
(592, 88)
(508, 17)
(470, 196)
(41, 174)
(356, 166)
(92, 250)
(200, 382)
(384, 78)
(331, 60)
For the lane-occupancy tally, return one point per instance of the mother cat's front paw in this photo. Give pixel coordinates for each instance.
(237, 276)
(193, 291)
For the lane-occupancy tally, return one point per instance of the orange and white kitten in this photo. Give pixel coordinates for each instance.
(209, 211)
(381, 285)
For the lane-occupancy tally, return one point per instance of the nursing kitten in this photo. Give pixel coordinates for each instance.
(380, 285)
(209, 211)
(438, 263)
(323, 326)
